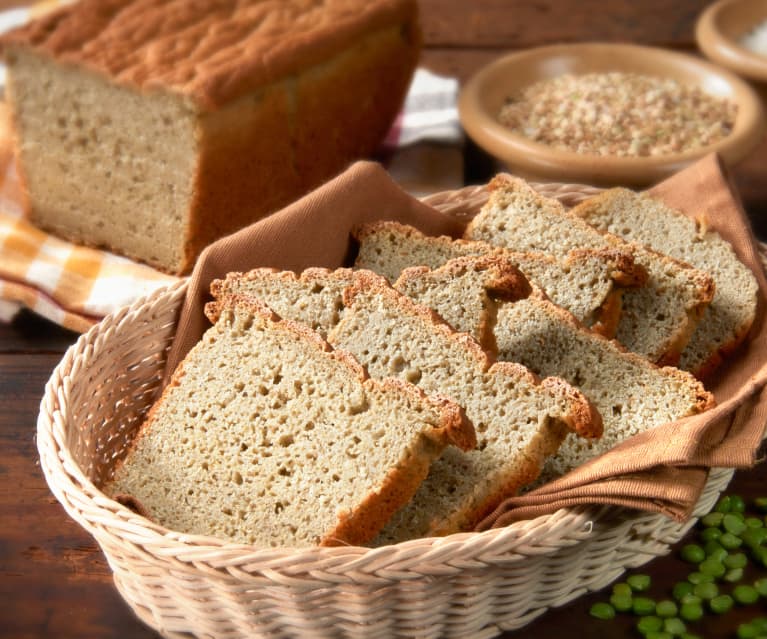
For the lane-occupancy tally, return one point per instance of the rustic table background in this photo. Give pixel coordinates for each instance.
(54, 582)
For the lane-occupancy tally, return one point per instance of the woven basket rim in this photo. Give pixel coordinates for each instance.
(541, 535)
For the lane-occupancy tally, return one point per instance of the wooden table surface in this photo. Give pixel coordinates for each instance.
(54, 582)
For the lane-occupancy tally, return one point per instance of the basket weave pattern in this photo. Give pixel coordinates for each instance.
(473, 584)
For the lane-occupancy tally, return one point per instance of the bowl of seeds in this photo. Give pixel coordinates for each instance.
(608, 114)
(733, 34)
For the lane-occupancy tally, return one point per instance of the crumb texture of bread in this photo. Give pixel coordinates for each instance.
(145, 127)
(585, 281)
(267, 436)
(656, 319)
(640, 218)
(630, 393)
(519, 419)
(462, 292)
(315, 297)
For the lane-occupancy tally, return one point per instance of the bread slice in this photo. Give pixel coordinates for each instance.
(657, 320)
(267, 436)
(630, 393)
(464, 292)
(588, 282)
(314, 298)
(639, 218)
(519, 419)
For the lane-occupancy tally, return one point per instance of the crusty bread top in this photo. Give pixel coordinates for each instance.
(211, 51)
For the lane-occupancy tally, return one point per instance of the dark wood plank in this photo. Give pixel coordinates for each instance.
(31, 333)
(54, 581)
(665, 572)
(524, 23)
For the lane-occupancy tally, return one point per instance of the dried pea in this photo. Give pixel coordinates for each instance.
(602, 610)
(736, 560)
(693, 553)
(643, 606)
(666, 608)
(733, 575)
(713, 567)
(723, 505)
(721, 604)
(734, 524)
(622, 603)
(747, 631)
(622, 589)
(728, 541)
(712, 519)
(681, 589)
(715, 550)
(737, 504)
(691, 611)
(649, 623)
(754, 522)
(706, 590)
(761, 586)
(745, 594)
(639, 583)
(711, 534)
(699, 578)
(674, 626)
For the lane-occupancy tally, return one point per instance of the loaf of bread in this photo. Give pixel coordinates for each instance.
(153, 127)
(267, 436)
(630, 393)
(519, 419)
(588, 282)
(639, 218)
(657, 320)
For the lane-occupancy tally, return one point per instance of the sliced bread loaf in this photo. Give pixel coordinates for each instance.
(519, 419)
(267, 436)
(629, 392)
(657, 320)
(588, 282)
(639, 218)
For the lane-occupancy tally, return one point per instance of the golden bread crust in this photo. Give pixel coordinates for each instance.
(212, 52)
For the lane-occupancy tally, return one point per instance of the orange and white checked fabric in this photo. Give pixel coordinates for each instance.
(76, 286)
(71, 285)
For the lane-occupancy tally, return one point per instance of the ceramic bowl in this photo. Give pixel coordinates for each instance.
(483, 95)
(719, 31)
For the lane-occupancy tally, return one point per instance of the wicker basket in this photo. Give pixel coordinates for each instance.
(467, 585)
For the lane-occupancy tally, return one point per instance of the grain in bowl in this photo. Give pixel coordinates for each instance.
(618, 114)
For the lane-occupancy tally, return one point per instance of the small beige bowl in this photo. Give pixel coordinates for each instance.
(484, 94)
(719, 30)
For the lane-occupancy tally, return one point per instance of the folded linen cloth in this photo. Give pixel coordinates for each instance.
(660, 470)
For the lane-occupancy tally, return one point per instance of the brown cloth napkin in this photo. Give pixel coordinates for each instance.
(661, 470)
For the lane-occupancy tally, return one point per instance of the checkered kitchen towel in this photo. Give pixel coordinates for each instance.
(76, 286)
